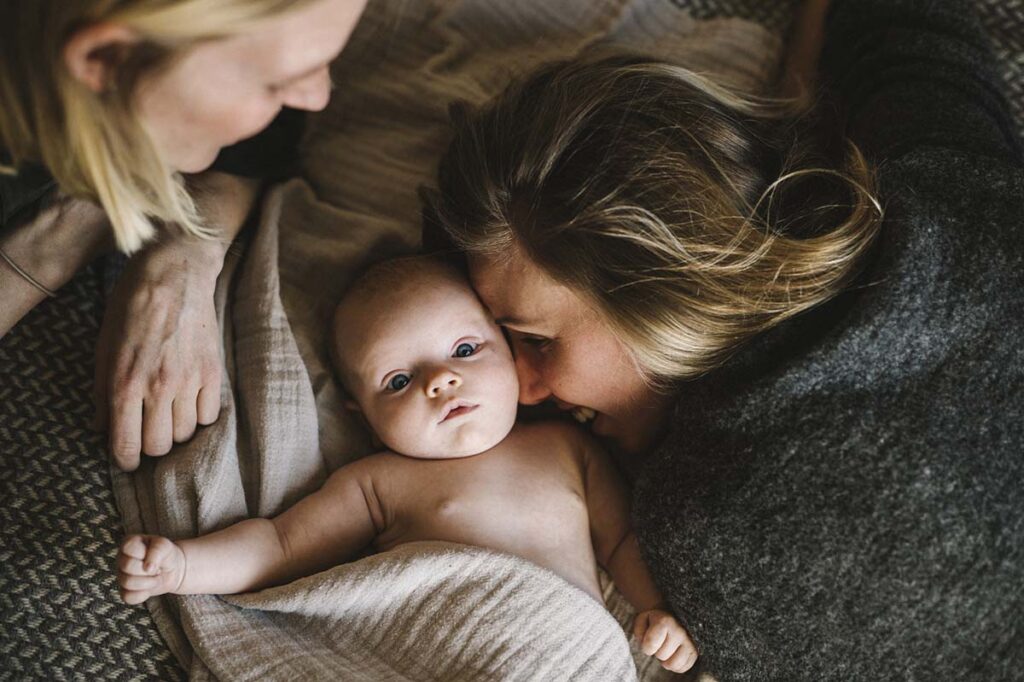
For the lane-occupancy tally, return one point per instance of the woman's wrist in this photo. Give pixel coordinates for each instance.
(183, 258)
(201, 255)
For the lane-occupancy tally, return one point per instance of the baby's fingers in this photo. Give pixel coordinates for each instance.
(136, 583)
(132, 598)
(160, 550)
(654, 638)
(682, 660)
(134, 546)
(131, 566)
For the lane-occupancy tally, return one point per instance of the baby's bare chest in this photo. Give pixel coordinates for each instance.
(506, 499)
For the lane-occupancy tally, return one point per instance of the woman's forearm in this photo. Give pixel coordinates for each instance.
(50, 248)
(224, 201)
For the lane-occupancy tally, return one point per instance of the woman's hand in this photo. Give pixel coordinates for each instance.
(158, 360)
(158, 365)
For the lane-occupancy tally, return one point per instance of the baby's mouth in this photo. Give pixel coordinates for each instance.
(456, 409)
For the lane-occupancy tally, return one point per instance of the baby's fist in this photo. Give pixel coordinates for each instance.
(660, 635)
(147, 566)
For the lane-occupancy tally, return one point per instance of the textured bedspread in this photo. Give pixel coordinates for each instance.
(59, 613)
(422, 612)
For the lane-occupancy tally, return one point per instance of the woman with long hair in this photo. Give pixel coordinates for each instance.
(820, 398)
(114, 117)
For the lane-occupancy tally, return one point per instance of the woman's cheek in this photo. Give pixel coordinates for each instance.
(251, 120)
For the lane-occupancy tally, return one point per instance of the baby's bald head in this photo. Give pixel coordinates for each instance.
(374, 292)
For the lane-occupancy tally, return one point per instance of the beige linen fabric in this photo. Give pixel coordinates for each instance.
(427, 610)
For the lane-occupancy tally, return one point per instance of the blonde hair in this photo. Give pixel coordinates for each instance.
(692, 217)
(93, 143)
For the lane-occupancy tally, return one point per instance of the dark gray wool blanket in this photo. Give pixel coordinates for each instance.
(845, 500)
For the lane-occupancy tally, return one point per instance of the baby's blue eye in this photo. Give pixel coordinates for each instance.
(398, 382)
(464, 350)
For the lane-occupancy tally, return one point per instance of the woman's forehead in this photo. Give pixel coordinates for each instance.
(518, 293)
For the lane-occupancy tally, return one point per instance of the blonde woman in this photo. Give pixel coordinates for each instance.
(114, 117)
(825, 406)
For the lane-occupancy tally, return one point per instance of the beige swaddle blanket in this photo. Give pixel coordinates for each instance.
(424, 611)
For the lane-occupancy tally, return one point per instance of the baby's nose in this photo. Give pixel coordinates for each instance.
(443, 381)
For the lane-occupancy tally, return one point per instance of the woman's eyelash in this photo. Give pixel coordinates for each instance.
(535, 341)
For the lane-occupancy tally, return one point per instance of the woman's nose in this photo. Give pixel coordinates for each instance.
(532, 389)
(442, 381)
(310, 94)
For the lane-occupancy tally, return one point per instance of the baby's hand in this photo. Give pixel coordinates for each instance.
(660, 635)
(148, 565)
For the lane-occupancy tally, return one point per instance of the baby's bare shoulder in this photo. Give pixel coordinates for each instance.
(560, 436)
(367, 470)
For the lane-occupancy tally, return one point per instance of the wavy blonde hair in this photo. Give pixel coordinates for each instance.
(691, 216)
(93, 143)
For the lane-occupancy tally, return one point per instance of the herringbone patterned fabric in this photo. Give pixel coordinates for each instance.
(60, 618)
(1004, 20)
(774, 14)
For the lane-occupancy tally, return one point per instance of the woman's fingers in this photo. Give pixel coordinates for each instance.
(208, 400)
(126, 430)
(159, 363)
(183, 413)
(157, 426)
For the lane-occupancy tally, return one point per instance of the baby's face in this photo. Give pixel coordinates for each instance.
(429, 369)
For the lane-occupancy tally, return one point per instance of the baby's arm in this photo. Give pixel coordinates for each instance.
(617, 550)
(320, 531)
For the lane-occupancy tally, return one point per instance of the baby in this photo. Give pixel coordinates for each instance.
(435, 380)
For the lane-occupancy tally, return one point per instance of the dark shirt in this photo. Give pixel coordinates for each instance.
(845, 500)
(271, 154)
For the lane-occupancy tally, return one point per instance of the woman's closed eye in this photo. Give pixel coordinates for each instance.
(534, 341)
